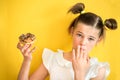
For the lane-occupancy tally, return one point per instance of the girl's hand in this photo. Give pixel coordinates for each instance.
(80, 62)
(26, 51)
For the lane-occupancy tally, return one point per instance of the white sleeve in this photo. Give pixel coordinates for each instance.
(107, 67)
(47, 57)
(96, 68)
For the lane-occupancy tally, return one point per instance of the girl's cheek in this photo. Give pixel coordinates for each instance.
(91, 47)
(75, 44)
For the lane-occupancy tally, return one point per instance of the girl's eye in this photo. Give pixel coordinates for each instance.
(79, 35)
(90, 39)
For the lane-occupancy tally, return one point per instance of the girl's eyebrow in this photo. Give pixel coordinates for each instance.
(79, 32)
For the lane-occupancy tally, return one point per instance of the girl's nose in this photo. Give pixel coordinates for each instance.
(83, 42)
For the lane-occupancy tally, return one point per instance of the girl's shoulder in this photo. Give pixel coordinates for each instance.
(48, 52)
(50, 57)
(95, 65)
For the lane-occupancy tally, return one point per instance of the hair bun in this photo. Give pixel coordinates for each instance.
(111, 24)
(77, 8)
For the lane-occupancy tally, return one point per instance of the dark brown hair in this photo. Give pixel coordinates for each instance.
(91, 19)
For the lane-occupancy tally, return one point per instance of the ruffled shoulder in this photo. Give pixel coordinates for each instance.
(61, 61)
(47, 57)
(95, 66)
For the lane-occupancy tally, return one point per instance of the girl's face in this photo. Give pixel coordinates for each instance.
(86, 36)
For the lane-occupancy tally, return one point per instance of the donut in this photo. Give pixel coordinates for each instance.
(27, 38)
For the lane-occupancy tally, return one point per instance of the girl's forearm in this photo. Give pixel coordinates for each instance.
(24, 71)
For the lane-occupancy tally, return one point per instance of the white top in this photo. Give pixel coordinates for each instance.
(61, 69)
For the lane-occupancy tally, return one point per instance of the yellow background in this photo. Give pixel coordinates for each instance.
(47, 19)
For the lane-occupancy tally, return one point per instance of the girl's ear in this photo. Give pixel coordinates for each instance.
(72, 30)
(99, 40)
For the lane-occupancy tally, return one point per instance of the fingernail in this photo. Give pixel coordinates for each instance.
(78, 46)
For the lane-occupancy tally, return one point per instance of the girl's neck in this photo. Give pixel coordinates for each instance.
(68, 56)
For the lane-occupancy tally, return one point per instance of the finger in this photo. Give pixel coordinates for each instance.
(88, 60)
(26, 52)
(28, 46)
(85, 55)
(81, 53)
(32, 50)
(25, 48)
(73, 54)
(19, 45)
(78, 51)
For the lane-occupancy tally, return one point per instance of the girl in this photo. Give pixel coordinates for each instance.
(86, 30)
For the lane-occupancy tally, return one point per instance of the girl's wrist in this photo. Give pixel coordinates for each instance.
(79, 76)
(27, 60)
